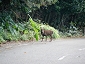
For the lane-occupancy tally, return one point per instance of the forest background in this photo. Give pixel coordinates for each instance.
(22, 19)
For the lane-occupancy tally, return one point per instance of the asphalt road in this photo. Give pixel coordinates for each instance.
(60, 51)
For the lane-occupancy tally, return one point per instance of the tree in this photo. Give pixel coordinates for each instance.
(62, 13)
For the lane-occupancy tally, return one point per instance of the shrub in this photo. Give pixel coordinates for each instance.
(71, 32)
(1, 39)
(35, 26)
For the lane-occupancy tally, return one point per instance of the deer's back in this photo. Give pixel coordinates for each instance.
(46, 32)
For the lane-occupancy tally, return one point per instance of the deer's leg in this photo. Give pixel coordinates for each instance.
(50, 38)
(42, 38)
(46, 38)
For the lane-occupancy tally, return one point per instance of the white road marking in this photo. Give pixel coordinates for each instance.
(82, 49)
(62, 58)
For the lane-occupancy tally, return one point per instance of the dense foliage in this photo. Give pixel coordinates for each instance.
(68, 16)
(63, 13)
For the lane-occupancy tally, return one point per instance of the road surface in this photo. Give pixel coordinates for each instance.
(60, 51)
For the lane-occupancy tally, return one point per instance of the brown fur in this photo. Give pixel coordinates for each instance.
(46, 33)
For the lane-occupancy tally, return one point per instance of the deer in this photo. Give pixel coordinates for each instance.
(46, 33)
